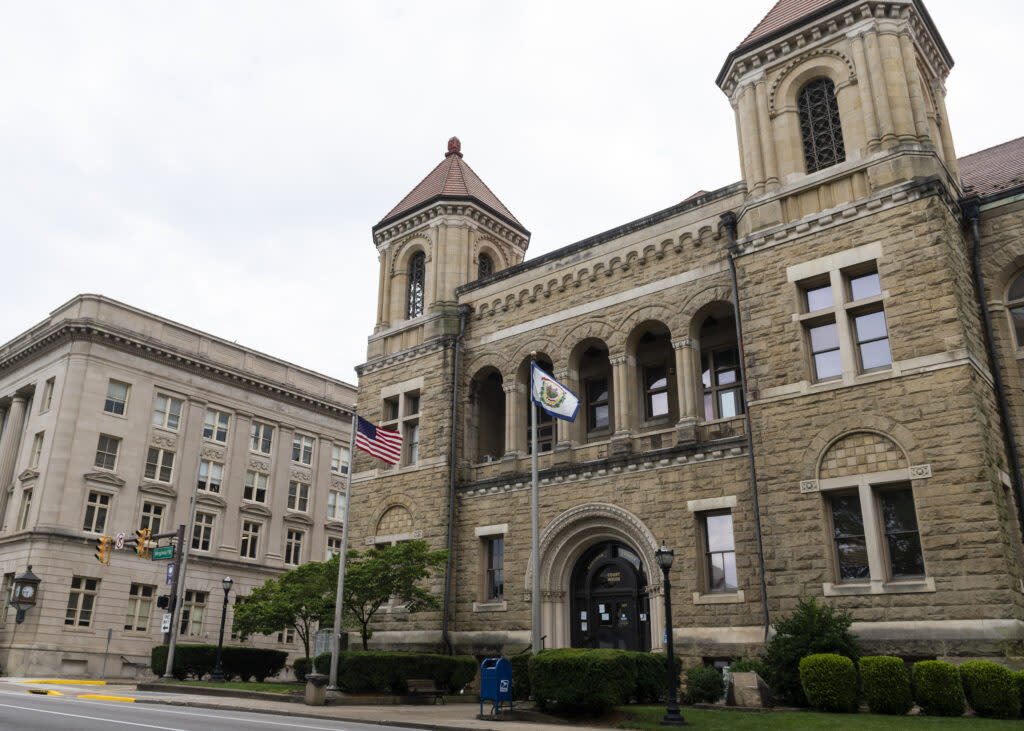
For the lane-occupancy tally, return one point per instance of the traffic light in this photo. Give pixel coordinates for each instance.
(142, 542)
(103, 549)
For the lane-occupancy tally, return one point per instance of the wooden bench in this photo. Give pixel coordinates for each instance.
(425, 686)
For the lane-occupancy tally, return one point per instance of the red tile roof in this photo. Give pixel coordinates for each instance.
(995, 169)
(452, 178)
(784, 13)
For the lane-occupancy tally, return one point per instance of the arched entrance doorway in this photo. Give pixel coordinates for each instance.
(609, 605)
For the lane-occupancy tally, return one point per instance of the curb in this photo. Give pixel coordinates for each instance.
(221, 692)
(64, 682)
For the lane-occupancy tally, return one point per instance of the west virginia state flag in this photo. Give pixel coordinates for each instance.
(552, 396)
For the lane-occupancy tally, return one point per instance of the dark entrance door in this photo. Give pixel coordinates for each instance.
(609, 608)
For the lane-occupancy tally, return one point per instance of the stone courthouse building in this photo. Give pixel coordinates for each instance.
(847, 426)
(112, 418)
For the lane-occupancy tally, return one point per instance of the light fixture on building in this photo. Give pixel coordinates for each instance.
(23, 594)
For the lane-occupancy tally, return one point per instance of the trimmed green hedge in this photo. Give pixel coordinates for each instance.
(704, 684)
(749, 665)
(990, 689)
(829, 682)
(577, 679)
(520, 676)
(387, 672)
(652, 676)
(1018, 679)
(236, 662)
(886, 685)
(302, 667)
(937, 688)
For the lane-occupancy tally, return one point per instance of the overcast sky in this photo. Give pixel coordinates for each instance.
(221, 163)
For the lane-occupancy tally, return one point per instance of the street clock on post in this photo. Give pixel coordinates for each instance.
(23, 594)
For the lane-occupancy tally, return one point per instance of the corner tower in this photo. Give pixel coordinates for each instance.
(449, 230)
(836, 100)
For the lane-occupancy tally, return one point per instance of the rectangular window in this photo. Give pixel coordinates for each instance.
(47, 400)
(825, 351)
(656, 391)
(335, 504)
(339, 459)
(152, 516)
(210, 474)
(215, 425)
(117, 398)
(298, 496)
(166, 412)
(106, 452)
(286, 637)
(848, 537)
(262, 436)
(597, 404)
(719, 552)
(26, 506)
(720, 375)
(390, 409)
(250, 539)
(159, 465)
(96, 508)
(495, 547)
(302, 449)
(902, 540)
(818, 297)
(872, 340)
(202, 532)
(412, 443)
(192, 613)
(5, 594)
(140, 601)
(81, 601)
(412, 404)
(255, 490)
(333, 546)
(864, 285)
(37, 451)
(293, 547)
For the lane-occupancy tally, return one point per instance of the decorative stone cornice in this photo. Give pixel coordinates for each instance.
(471, 210)
(300, 474)
(409, 354)
(254, 509)
(210, 451)
(300, 518)
(259, 464)
(205, 498)
(152, 488)
(104, 478)
(28, 476)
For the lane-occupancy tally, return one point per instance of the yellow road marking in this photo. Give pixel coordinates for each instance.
(65, 682)
(40, 691)
(107, 698)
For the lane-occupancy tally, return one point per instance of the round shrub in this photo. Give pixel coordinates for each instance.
(990, 689)
(575, 679)
(302, 667)
(886, 685)
(937, 688)
(829, 682)
(704, 685)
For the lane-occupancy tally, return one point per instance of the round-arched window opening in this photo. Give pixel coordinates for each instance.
(417, 282)
(484, 266)
(819, 125)
(1015, 305)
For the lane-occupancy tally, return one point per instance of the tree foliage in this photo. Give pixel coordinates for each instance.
(299, 599)
(379, 575)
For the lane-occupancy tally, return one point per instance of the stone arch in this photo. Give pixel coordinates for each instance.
(859, 452)
(589, 330)
(720, 293)
(881, 425)
(395, 519)
(658, 313)
(543, 346)
(562, 543)
(489, 246)
(409, 246)
(490, 358)
(791, 78)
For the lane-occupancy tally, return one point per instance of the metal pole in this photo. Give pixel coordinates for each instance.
(534, 516)
(340, 596)
(180, 537)
(672, 715)
(218, 672)
(103, 671)
(179, 593)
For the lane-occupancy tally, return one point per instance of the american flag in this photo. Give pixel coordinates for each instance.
(385, 444)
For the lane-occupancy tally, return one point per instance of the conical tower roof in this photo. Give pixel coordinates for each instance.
(453, 178)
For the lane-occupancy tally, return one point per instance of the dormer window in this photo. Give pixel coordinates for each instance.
(484, 267)
(417, 278)
(819, 125)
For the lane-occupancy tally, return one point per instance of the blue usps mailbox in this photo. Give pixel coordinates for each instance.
(495, 683)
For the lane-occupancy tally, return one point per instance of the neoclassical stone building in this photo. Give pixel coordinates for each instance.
(111, 418)
(845, 422)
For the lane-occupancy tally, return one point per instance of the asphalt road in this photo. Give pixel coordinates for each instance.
(21, 711)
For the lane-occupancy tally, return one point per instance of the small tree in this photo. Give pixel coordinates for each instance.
(377, 575)
(300, 599)
(812, 629)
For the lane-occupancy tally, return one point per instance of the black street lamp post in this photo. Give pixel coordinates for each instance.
(218, 673)
(672, 716)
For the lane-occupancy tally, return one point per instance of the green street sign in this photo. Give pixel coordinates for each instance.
(163, 552)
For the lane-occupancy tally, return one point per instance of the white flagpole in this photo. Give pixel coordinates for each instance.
(535, 519)
(333, 680)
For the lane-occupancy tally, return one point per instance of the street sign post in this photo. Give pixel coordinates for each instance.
(161, 553)
(170, 573)
(119, 543)
(165, 623)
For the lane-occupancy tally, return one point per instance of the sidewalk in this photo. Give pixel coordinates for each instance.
(455, 716)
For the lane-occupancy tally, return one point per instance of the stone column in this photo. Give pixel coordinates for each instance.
(563, 428)
(686, 428)
(10, 442)
(867, 103)
(879, 90)
(382, 279)
(917, 105)
(771, 168)
(903, 117)
(939, 95)
(751, 140)
(511, 418)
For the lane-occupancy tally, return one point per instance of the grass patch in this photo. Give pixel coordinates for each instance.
(649, 717)
(282, 688)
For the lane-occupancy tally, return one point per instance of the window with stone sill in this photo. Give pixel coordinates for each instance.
(47, 400)
(152, 516)
(202, 531)
(719, 552)
(96, 507)
(255, 488)
(192, 611)
(249, 545)
(494, 548)
(167, 412)
(106, 452)
(302, 449)
(262, 436)
(334, 504)
(416, 286)
(298, 496)
(210, 476)
(81, 601)
(140, 603)
(117, 398)
(215, 426)
(159, 465)
(37, 451)
(412, 442)
(339, 459)
(293, 547)
(820, 127)
(333, 547)
(26, 506)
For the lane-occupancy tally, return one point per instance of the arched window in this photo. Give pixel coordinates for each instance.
(1015, 304)
(484, 267)
(819, 125)
(720, 369)
(417, 278)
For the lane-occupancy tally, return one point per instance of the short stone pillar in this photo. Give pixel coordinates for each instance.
(747, 690)
(316, 689)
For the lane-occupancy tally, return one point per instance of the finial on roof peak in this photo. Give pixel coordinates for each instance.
(454, 147)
